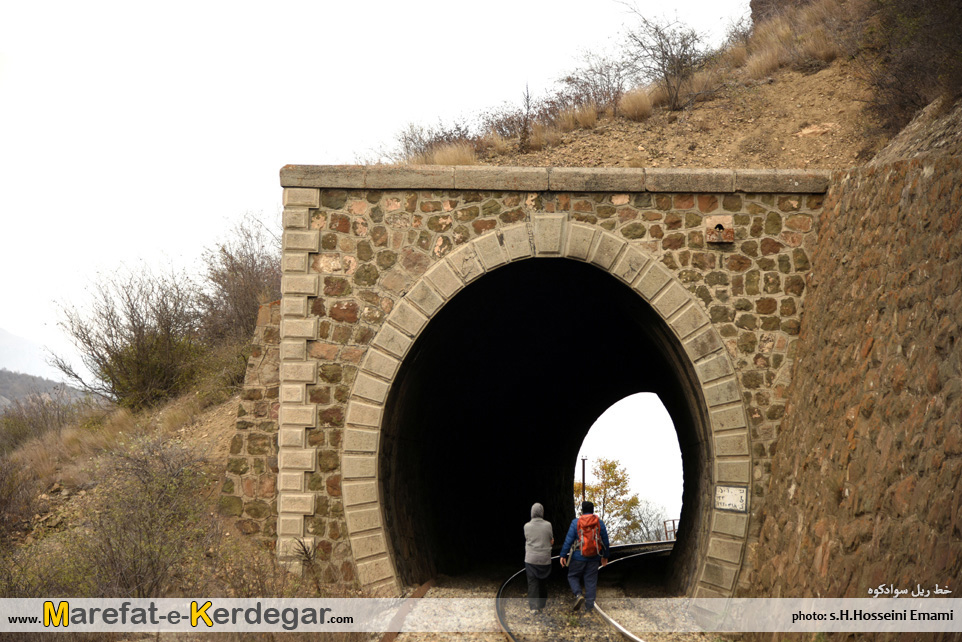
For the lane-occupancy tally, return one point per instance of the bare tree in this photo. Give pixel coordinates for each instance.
(138, 337)
(666, 52)
(601, 79)
(243, 272)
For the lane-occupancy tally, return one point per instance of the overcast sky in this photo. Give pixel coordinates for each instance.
(138, 130)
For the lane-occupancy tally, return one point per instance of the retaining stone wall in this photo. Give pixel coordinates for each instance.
(865, 484)
(357, 239)
(249, 492)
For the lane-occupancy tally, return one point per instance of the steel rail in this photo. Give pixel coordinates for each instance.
(499, 599)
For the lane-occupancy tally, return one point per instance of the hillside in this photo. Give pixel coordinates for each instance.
(787, 120)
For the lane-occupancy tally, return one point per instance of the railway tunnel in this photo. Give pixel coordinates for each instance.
(493, 401)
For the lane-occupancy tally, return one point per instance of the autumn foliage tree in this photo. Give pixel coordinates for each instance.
(628, 518)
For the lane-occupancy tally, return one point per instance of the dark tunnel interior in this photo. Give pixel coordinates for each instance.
(490, 407)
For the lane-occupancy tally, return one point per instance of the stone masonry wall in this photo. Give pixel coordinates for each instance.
(865, 484)
(357, 239)
(250, 486)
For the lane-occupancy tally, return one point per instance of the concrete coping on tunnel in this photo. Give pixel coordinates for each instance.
(562, 179)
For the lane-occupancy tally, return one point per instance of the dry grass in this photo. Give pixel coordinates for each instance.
(736, 55)
(587, 116)
(658, 95)
(636, 104)
(543, 136)
(764, 62)
(450, 154)
(801, 36)
(566, 120)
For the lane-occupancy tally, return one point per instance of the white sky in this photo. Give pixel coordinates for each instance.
(639, 433)
(136, 130)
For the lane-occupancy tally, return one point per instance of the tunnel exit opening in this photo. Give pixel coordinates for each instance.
(491, 405)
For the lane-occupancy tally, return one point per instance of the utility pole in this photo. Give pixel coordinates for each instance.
(583, 460)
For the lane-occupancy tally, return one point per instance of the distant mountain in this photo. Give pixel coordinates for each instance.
(16, 385)
(22, 355)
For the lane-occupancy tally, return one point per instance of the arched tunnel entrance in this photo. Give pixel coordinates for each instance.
(490, 406)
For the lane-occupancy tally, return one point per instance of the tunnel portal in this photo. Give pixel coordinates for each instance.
(490, 406)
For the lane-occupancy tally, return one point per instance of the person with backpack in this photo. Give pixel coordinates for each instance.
(538, 540)
(587, 541)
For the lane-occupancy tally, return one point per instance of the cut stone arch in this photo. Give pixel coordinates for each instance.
(721, 551)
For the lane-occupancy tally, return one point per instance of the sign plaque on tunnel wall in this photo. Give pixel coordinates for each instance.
(731, 498)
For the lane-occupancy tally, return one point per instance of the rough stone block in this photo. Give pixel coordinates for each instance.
(288, 481)
(290, 526)
(713, 368)
(359, 492)
(302, 197)
(296, 217)
(299, 328)
(358, 466)
(585, 179)
(378, 363)
(304, 241)
(548, 233)
(606, 250)
(419, 177)
(291, 437)
(360, 440)
(374, 571)
(653, 280)
(294, 350)
(721, 393)
(305, 371)
(393, 341)
(630, 265)
(733, 471)
(323, 176)
(689, 321)
(731, 444)
(466, 264)
(725, 549)
(363, 414)
(689, 180)
(368, 546)
(294, 306)
(580, 238)
(733, 524)
(294, 262)
(671, 299)
(296, 459)
(367, 387)
(298, 415)
(490, 251)
(780, 181)
(703, 344)
(516, 242)
(362, 519)
(523, 179)
(300, 503)
(727, 419)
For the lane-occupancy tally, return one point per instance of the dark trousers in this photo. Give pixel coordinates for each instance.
(537, 584)
(585, 571)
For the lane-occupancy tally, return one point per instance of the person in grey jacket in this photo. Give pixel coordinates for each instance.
(537, 557)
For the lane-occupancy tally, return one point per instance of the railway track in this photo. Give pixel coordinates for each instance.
(619, 554)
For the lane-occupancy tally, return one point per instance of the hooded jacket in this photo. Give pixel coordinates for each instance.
(537, 538)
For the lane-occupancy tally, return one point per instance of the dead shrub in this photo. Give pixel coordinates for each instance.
(636, 104)
(601, 80)
(17, 494)
(666, 52)
(37, 414)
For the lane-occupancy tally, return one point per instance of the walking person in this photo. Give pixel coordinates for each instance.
(587, 540)
(538, 540)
